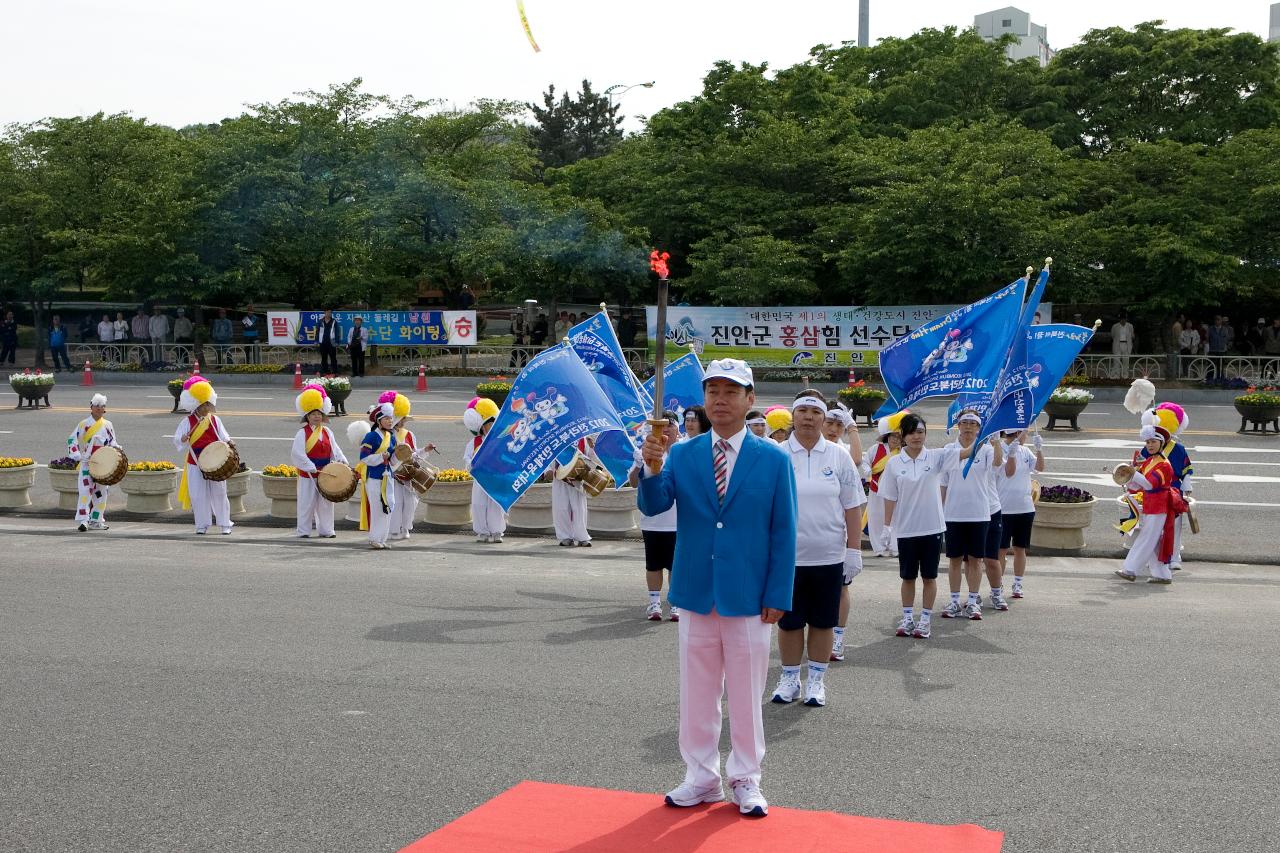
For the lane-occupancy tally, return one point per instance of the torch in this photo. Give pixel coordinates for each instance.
(658, 263)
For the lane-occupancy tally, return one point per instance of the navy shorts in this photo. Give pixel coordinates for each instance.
(967, 538)
(659, 549)
(918, 556)
(994, 528)
(1016, 530)
(816, 599)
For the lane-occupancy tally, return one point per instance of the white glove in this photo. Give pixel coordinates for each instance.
(852, 563)
(1037, 442)
(888, 532)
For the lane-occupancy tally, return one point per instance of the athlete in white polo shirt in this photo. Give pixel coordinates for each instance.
(1018, 511)
(967, 505)
(829, 501)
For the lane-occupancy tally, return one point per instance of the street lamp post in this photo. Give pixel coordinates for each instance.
(621, 89)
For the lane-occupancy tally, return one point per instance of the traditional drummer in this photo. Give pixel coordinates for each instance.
(314, 447)
(206, 498)
(406, 494)
(377, 501)
(1152, 548)
(91, 435)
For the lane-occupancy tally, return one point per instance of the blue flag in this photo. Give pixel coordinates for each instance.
(553, 403)
(681, 385)
(1050, 351)
(596, 343)
(963, 352)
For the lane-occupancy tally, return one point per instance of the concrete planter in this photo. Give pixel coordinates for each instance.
(149, 491)
(532, 513)
(66, 484)
(237, 488)
(613, 512)
(14, 483)
(1061, 527)
(448, 504)
(283, 492)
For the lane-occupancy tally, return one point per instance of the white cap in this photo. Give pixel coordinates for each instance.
(733, 369)
(386, 410)
(98, 400)
(1148, 432)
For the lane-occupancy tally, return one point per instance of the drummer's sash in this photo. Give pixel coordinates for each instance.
(87, 441)
(361, 469)
(197, 432)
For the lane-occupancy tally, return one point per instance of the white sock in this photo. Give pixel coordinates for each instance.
(817, 671)
(790, 671)
(655, 597)
(906, 611)
(1017, 582)
(925, 615)
(997, 591)
(973, 598)
(955, 598)
(839, 632)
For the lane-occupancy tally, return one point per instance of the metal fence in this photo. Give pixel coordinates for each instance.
(1196, 368)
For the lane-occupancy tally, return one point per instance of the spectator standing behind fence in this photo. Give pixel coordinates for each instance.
(183, 328)
(8, 338)
(538, 336)
(1189, 340)
(86, 328)
(357, 340)
(519, 357)
(139, 330)
(1271, 342)
(1122, 342)
(249, 332)
(1255, 338)
(158, 329)
(330, 335)
(120, 328)
(58, 344)
(626, 329)
(220, 334)
(106, 330)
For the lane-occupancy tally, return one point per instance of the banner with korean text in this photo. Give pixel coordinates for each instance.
(385, 328)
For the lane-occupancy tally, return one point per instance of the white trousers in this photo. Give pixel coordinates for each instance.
(406, 506)
(1176, 558)
(719, 654)
(91, 505)
(487, 517)
(379, 521)
(875, 526)
(315, 511)
(569, 512)
(1144, 553)
(209, 503)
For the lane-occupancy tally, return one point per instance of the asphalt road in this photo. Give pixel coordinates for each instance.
(258, 693)
(1237, 477)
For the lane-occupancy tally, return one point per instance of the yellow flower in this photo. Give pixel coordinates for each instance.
(15, 461)
(150, 466)
(280, 471)
(452, 475)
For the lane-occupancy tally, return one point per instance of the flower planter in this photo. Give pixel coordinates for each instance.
(237, 488)
(1064, 412)
(1061, 527)
(176, 393)
(66, 484)
(283, 492)
(864, 407)
(339, 397)
(532, 513)
(30, 395)
(613, 512)
(149, 491)
(14, 483)
(448, 504)
(1258, 417)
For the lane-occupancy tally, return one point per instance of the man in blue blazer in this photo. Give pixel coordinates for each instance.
(733, 575)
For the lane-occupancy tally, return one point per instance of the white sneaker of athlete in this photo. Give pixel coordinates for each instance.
(815, 692)
(687, 795)
(749, 799)
(788, 689)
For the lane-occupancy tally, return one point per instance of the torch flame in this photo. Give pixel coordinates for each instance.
(658, 263)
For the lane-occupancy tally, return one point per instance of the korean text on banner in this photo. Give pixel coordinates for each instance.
(385, 328)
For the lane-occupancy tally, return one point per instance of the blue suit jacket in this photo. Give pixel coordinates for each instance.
(738, 557)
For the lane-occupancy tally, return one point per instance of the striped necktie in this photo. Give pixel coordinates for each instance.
(721, 468)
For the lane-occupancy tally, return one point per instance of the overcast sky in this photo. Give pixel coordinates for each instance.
(180, 62)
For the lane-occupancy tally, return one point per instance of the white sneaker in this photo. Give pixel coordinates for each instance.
(973, 610)
(675, 613)
(837, 648)
(998, 602)
(815, 692)
(906, 626)
(653, 612)
(686, 795)
(749, 799)
(788, 689)
(483, 539)
(952, 610)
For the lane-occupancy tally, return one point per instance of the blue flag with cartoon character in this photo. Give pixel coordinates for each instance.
(964, 352)
(681, 385)
(553, 402)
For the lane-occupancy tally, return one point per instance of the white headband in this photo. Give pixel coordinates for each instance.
(813, 402)
(969, 417)
(756, 422)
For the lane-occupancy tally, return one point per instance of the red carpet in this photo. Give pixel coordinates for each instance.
(536, 816)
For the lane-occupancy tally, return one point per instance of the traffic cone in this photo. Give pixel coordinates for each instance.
(87, 379)
(852, 382)
(422, 377)
(195, 367)
(297, 376)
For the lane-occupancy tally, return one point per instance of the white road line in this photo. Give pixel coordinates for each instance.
(1240, 478)
(1196, 463)
(1199, 478)
(249, 437)
(1208, 449)
(1232, 503)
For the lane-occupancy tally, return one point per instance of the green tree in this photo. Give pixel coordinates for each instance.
(569, 130)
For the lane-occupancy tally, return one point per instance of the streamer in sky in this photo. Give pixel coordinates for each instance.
(524, 19)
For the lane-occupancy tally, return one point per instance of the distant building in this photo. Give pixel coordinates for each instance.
(1033, 39)
(1275, 22)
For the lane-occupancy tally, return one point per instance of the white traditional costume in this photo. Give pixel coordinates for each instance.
(313, 448)
(90, 435)
(378, 500)
(569, 504)
(488, 519)
(207, 499)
